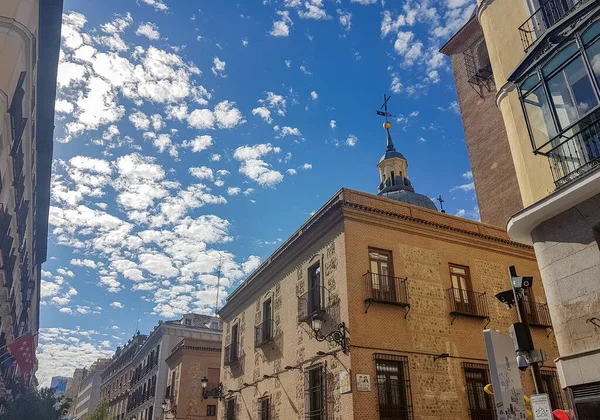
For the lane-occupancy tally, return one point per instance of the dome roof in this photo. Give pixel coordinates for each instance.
(391, 154)
(409, 197)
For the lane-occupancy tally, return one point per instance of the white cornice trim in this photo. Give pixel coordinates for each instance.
(482, 6)
(503, 92)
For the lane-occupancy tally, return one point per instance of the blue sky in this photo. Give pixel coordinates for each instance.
(193, 132)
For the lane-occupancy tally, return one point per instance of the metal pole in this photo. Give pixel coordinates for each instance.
(522, 314)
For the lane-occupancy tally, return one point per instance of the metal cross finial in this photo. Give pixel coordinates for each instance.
(441, 200)
(385, 112)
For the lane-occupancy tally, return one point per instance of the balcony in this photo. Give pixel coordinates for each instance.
(467, 303)
(571, 157)
(263, 333)
(538, 314)
(315, 301)
(231, 354)
(386, 289)
(549, 13)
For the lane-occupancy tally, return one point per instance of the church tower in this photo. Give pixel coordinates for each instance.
(393, 176)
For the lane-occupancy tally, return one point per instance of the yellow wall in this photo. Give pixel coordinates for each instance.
(500, 21)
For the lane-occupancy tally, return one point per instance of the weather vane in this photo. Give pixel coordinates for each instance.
(441, 200)
(387, 124)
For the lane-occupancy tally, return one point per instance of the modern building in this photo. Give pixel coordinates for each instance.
(72, 391)
(545, 58)
(88, 397)
(29, 47)
(148, 369)
(59, 384)
(375, 309)
(492, 165)
(191, 361)
(116, 377)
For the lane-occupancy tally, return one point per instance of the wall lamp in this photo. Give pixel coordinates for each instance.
(216, 392)
(441, 356)
(337, 336)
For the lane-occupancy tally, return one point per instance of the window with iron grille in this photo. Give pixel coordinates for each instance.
(551, 387)
(211, 410)
(393, 387)
(315, 393)
(230, 409)
(264, 408)
(481, 405)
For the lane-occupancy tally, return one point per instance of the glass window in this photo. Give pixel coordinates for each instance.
(381, 273)
(264, 408)
(593, 53)
(314, 289)
(480, 404)
(314, 389)
(572, 93)
(211, 410)
(230, 409)
(530, 82)
(558, 59)
(539, 116)
(392, 390)
(591, 33)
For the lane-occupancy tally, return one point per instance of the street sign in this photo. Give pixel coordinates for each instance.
(506, 381)
(363, 382)
(540, 407)
(345, 385)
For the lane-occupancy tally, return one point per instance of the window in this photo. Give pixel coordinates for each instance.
(267, 321)
(230, 409)
(393, 178)
(461, 285)
(393, 387)
(314, 389)
(551, 387)
(232, 354)
(211, 410)
(314, 289)
(586, 399)
(481, 406)
(382, 280)
(187, 322)
(264, 408)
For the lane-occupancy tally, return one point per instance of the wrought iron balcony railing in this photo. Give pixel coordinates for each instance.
(316, 300)
(467, 302)
(231, 354)
(571, 157)
(538, 314)
(386, 289)
(549, 13)
(263, 333)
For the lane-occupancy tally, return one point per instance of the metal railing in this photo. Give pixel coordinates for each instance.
(316, 300)
(538, 314)
(231, 353)
(550, 12)
(386, 289)
(571, 157)
(467, 302)
(263, 333)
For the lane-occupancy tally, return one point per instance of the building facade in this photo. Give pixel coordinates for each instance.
(191, 361)
(73, 388)
(545, 58)
(492, 165)
(115, 379)
(148, 369)
(88, 397)
(409, 287)
(29, 47)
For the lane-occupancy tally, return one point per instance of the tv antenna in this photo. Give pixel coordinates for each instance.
(218, 280)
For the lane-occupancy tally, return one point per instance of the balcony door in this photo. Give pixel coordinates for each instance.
(267, 321)
(382, 276)
(314, 289)
(461, 283)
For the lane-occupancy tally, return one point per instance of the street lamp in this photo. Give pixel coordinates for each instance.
(337, 336)
(216, 392)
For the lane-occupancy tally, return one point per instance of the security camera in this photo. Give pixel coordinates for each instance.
(522, 363)
(522, 282)
(507, 297)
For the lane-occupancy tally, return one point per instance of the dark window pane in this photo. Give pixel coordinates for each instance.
(591, 33)
(562, 56)
(563, 102)
(581, 86)
(530, 82)
(593, 53)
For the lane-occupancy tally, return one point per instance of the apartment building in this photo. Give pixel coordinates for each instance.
(148, 369)
(88, 397)
(374, 309)
(116, 377)
(545, 57)
(29, 47)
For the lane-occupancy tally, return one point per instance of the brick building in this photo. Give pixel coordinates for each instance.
(115, 379)
(489, 152)
(410, 287)
(191, 361)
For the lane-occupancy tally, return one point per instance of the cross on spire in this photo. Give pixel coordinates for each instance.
(385, 112)
(387, 124)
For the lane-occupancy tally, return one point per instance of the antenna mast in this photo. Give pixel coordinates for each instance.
(218, 281)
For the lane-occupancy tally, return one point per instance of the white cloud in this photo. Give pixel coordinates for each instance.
(468, 175)
(292, 171)
(157, 4)
(282, 27)
(202, 172)
(84, 263)
(345, 18)
(305, 70)
(333, 124)
(254, 167)
(233, 190)
(433, 76)
(251, 264)
(275, 102)
(288, 63)
(117, 305)
(63, 107)
(464, 187)
(149, 30)
(118, 25)
(288, 131)
(422, 139)
(264, 113)
(225, 115)
(351, 140)
(314, 95)
(307, 166)
(314, 9)
(245, 42)
(218, 67)
(396, 86)
(364, 2)
(199, 144)
(139, 120)
(215, 157)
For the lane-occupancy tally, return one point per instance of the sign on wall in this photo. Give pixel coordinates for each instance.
(363, 382)
(506, 381)
(540, 407)
(345, 385)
